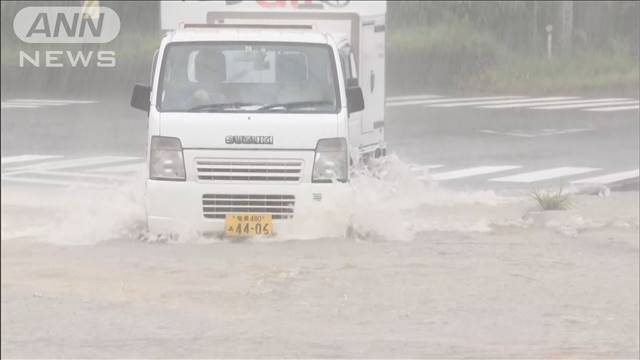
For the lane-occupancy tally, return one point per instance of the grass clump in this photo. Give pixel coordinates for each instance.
(548, 200)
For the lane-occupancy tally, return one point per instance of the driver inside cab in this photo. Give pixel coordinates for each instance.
(210, 72)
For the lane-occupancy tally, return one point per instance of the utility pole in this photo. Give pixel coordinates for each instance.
(566, 26)
(549, 30)
(534, 29)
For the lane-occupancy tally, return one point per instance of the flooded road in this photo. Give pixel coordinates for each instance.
(440, 274)
(445, 262)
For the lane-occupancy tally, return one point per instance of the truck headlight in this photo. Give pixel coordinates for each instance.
(165, 159)
(331, 161)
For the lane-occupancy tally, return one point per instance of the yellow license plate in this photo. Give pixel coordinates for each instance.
(247, 224)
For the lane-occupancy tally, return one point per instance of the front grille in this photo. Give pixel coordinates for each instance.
(216, 206)
(264, 170)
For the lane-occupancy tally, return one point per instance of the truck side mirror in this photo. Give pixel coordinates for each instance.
(140, 97)
(355, 100)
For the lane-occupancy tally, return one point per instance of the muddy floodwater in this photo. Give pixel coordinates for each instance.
(433, 274)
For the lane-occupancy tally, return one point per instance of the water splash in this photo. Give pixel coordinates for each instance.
(388, 202)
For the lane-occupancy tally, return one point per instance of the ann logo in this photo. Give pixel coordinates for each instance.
(66, 24)
(77, 26)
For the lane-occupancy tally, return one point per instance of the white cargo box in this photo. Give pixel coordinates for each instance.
(176, 12)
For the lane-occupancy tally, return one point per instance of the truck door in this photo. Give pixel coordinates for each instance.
(371, 73)
(350, 78)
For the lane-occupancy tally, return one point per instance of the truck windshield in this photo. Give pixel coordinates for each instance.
(248, 77)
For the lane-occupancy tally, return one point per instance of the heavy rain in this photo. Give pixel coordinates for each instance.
(320, 179)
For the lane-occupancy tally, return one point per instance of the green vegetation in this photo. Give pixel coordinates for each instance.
(501, 47)
(548, 200)
(586, 70)
(456, 56)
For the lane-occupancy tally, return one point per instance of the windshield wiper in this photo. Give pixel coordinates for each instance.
(220, 106)
(295, 104)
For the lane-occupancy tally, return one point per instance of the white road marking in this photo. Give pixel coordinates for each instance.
(425, 167)
(24, 158)
(62, 164)
(589, 105)
(78, 175)
(610, 178)
(19, 106)
(615, 108)
(528, 103)
(546, 174)
(119, 170)
(51, 101)
(412, 97)
(449, 100)
(56, 172)
(545, 132)
(474, 171)
(512, 133)
(36, 103)
(509, 102)
(45, 182)
(490, 102)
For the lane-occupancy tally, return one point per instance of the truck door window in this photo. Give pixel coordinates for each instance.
(153, 67)
(354, 70)
(348, 64)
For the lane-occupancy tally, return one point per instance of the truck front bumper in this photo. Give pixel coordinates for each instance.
(312, 210)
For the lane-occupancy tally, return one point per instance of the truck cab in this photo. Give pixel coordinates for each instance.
(251, 124)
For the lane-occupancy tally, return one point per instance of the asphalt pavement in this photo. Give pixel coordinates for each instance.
(477, 141)
(484, 144)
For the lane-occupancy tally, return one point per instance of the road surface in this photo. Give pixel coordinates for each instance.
(451, 258)
(480, 142)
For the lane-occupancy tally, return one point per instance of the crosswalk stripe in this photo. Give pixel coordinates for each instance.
(63, 177)
(545, 132)
(474, 171)
(490, 102)
(546, 174)
(412, 97)
(50, 171)
(528, 103)
(425, 167)
(594, 104)
(40, 181)
(615, 108)
(77, 175)
(26, 158)
(35, 103)
(50, 101)
(18, 106)
(62, 164)
(609, 178)
(123, 169)
(449, 100)
(36, 181)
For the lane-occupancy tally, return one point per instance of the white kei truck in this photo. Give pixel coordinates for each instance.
(257, 110)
